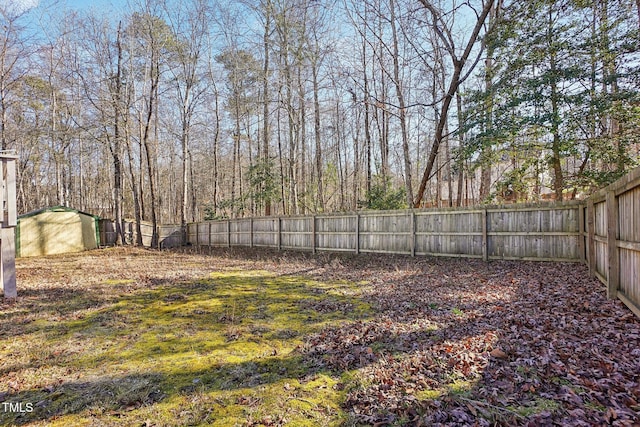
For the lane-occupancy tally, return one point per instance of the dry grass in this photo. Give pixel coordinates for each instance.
(230, 337)
(133, 337)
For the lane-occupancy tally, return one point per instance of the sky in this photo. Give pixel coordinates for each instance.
(102, 5)
(20, 6)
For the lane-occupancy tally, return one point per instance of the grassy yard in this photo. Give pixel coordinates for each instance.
(136, 337)
(133, 337)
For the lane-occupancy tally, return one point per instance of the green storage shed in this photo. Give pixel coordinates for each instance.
(56, 230)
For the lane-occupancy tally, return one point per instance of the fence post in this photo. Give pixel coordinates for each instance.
(10, 188)
(485, 237)
(279, 234)
(7, 232)
(8, 262)
(357, 233)
(413, 233)
(197, 225)
(591, 237)
(613, 276)
(3, 190)
(228, 233)
(313, 234)
(581, 246)
(251, 232)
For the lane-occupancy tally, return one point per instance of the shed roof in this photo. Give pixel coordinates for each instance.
(55, 209)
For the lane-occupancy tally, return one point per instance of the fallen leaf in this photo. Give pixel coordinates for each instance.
(498, 353)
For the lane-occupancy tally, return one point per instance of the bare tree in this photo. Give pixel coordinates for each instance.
(402, 107)
(458, 63)
(13, 51)
(489, 71)
(189, 26)
(151, 35)
(267, 8)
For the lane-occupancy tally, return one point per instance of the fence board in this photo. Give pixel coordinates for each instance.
(494, 233)
(385, 233)
(629, 245)
(296, 233)
(449, 233)
(615, 242)
(335, 232)
(600, 244)
(265, 232)
(239, 232)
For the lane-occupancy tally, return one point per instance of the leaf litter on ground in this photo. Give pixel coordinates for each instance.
(447, 342)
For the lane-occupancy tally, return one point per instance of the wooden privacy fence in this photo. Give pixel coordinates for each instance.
(613, 238)
(603, 231)
(169, 235)
(522, 232)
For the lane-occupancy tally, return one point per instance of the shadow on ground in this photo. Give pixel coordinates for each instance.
(332, 340)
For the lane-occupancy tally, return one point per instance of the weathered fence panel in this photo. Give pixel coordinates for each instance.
(337, 233)
(629, 244)
(199, 234)
(389, 232)
(240, 232)
(613, 243)
(296, 233)
(169, 235)
(511, 232)
(449, 233)
(535, 232)
(218, 233)
(107, 232)
(265, 232)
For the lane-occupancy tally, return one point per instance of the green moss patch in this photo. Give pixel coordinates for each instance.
(222, 349)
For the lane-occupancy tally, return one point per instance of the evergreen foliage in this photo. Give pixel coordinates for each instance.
(383, 196)
(564, 94)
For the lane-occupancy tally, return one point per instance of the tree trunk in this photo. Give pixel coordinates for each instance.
(487, 150)
(134, 189)
(235, 163)
(367, 130)
(184, 143)
(556, 165)
(611, 80)
(316, 130)
(283, 198)
(460, 159)
(265, 105)
(154, 77)
(447, 168)
(116, 146)
(302, 141)
(194, 198)
(214, 148)
(401, 104)
(455, 81)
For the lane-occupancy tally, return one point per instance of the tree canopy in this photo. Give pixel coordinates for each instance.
(173, 112)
